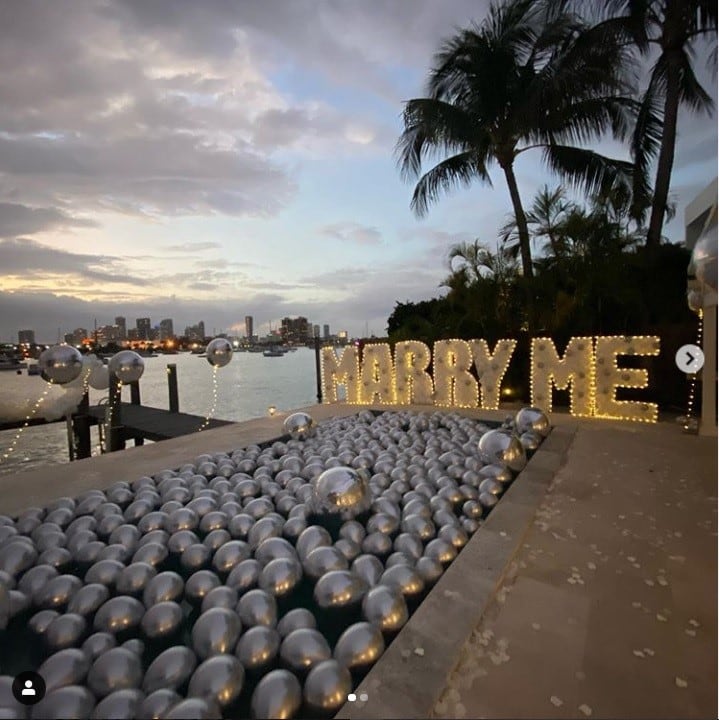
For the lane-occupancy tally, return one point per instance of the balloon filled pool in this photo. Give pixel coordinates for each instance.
(260, 582)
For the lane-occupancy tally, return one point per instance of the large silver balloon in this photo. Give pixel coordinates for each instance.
(341, 492)
(502, 447)
(219, 352)
(165, 587)
(58, 591)
(406, 579)
(359, 646)
(71, 701)
(294, 620)
(170, 670)
(244, 576)
(441, 551)
(277, 695)
(195, 557)
(119, 614)
(119, 705)
(369, 568)
(115, 669)
(323, 559)
(273, 548)
(222, 596)
(67, 667)
(304, 648)
(281, 576)
(194, 709)
(311, 538)
(704, 258)
(257, 607)
(65, 631)
(199, 584)
(339, 589)
(127, 365)
(162, 620)
(299, 426)
(134, 578)
(229, 555)
(258, 647)
(385, 607)
(531, 419)
(97, 644)
(221, 679)
(327, 686)
(156, 704)
(216, 632)
(60, 364)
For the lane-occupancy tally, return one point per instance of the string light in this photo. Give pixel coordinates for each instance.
(574, 370)
(108, 417)
(28, 419)
(412, 382)
(377, 375)
(214, 400)
(491, 369)
(345, 371)
(690, 422)
(454, 384)
(610, 377)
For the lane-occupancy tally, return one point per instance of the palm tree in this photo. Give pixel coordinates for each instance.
(670, 31)
(525, 78)
(544, 219)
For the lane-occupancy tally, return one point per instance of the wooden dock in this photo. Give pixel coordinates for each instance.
(119, 421)
(153, 423)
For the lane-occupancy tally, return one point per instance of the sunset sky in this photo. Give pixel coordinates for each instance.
(211, 160)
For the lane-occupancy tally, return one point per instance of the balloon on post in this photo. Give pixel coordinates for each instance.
(127, 365)
(60, 364)
(219, 352)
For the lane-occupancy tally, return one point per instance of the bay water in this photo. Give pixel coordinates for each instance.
(246, 388)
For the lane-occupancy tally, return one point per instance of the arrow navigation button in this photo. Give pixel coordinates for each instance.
(689, 359)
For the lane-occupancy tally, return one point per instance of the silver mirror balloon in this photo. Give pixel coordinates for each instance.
(60, 364)
(502, 447)
(127, 365)
(299, 426)
(219, 352)
(341, 492)
(531, 419)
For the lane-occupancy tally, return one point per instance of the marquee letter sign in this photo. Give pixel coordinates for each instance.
(588, 368)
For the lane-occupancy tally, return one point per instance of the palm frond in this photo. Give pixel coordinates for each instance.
(456, 171)
(587, 169)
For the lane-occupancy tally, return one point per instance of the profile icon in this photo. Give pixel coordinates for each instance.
(28, 688)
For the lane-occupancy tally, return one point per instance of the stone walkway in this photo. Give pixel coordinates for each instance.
(609, 609)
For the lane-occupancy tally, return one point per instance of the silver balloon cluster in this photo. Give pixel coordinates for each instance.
(207, 591)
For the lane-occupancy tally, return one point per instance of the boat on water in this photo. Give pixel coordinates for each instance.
(273, 352)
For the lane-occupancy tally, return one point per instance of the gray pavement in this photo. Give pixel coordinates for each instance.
(609, 609)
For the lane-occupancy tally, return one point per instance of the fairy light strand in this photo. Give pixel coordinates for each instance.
(108, 418)
(689, 417)
(211, 413)
(28, 420)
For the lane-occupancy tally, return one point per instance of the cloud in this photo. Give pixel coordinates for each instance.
(352, 232)
(17, 219)
(22, 257)
(191, 247)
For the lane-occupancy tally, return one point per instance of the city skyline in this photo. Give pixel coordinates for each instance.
(164, 329)
(217, 160)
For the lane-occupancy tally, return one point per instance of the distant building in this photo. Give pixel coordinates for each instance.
(132, 334)
(121, 323)
(295, 330)
(144, 328)
(315, 331)
(249, 326)
(196, 332)
(326, 331)
(76, 337)
(26, 337)
(107, 334)
(166, 329)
